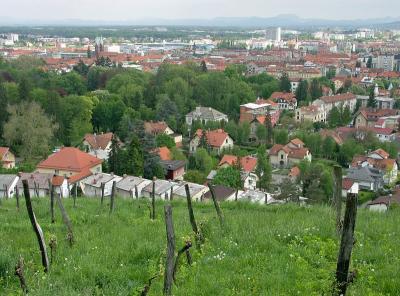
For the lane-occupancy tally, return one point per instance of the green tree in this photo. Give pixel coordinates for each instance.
(302, 91)
(372, 103)
(263, 169)
(284, 83)
(281, 136)
(203, 161)
(315, 89)
(203, 66)
(195, 176)
(334, 117)
(135, 158)
(165, 140)
(261, 133)
(369, 62)
(229, 177)
(28, 131)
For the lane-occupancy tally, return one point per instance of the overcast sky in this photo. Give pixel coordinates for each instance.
(183, 9)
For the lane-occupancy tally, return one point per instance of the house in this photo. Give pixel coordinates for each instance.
(368, 178)
(294, 173)
(98, 145)
(256, 196)
(8, 184)
(92, 185)
(328, 102)
(249, 180)
(196, 191)
(161, 127)
(289, 154)
(310, 113)
(259, 110)
(381, 102)
(217, 140)
(247, 163)
(334, 135)
(174, 169)
(272, 115)
(349, 186)
(378, 159)
(204, 115)
(71, 163)
(39, 184)
(163, 189)
(368, 117)
(130, 186)
(383, 203)
(222, 193)
(285, 101)
(7, 158)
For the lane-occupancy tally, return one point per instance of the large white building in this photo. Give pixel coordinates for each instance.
(273, 34)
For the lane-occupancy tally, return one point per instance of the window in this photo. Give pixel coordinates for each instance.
(281, 156)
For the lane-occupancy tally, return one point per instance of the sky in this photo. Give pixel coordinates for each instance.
(121, 10)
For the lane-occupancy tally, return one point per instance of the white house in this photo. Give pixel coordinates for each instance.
(129, 186)
(163, 189)
(196, 191)
(204, 115)
(8, 185)
(91, 186)
(98, 145)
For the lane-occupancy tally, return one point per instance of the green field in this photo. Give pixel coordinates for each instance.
(274, 250)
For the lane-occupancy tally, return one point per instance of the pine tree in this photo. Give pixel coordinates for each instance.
(203, 66)
(372, 103)
(285, 84)
(135, 157)
(113, 157)
(268, 125)
(302, 91)
(263, 169)
(369, 62)
(315, 89)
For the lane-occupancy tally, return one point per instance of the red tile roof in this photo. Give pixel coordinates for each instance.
(294, 172)
(338, 98)
(155, 127)
(57, 180)
(381, 152)
(214, 138)
(347, 183)
(289, 97)
(99, 141)
(70, 159)
(247, 163)
(164, 153)
(3, 151)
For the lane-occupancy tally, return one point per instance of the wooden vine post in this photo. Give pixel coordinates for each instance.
(17, 196)
(216, 205)
(338, 196)
(67, 221)
(153, 200)
(51, 187)
(36, 226)
(102, 192)
(112, 197)
(185, 249)
(199, 237)
(346, 244)
(75, 194)
(169, 262)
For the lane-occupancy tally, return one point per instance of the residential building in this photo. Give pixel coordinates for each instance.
(256, 196)
(7, 158)
(222, 193)
(285, 101)
(163, 189)
(349, 186)
(249, 180)
(310, 113)
(161, 127)
(368, 178)
(92, 185)
(8, 184)
(174, 169)
(98, 145)
(131, 187)
(383, 203)
(216, 140)
(382, 102)
(247, 163)
(196, 191)
(328, 102)
(289, 154)
(368, 117)
(204, 115)
(39, 184)
(70, 163)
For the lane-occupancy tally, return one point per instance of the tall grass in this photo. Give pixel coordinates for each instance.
(274, 250)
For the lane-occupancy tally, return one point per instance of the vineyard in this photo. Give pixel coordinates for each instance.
(261, 250)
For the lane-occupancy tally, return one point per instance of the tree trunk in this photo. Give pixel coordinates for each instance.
(346, 244)
(36, 226)
(169, 263)
(17, 196)
(216, 205)
(153, 200)
(199, 238)
(51, 201)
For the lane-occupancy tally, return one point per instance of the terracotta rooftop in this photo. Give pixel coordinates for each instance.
(338, 98)
(3, 151)
(247, 163)
(98, 141)
(215, 138)
(70, 159)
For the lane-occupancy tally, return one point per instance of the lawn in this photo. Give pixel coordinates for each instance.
(274, 250)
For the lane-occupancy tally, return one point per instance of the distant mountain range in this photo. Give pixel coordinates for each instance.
(286, 21)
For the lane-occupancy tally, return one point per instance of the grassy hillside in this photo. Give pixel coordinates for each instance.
(275, 250)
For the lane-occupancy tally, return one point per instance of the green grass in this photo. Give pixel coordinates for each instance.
(365, 196)
(275, 250)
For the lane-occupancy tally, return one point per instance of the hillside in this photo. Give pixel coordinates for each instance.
(275, 250)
